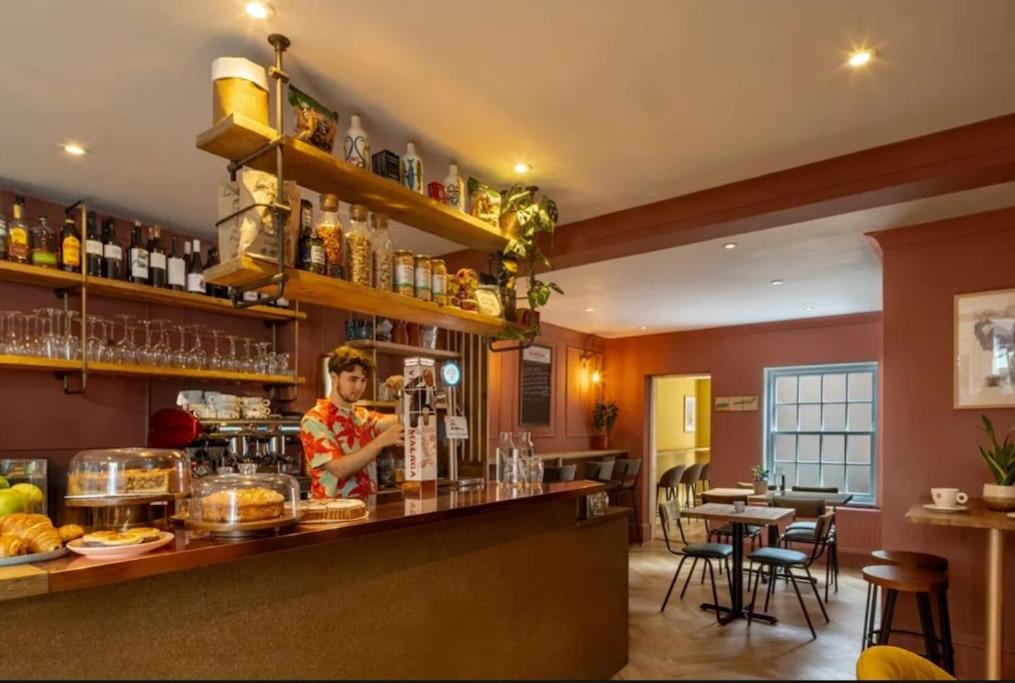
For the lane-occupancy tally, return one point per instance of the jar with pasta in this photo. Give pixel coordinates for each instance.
(439, 281)
(359, 255)
(383, 253)
(329, 229)
(405, 277)
(424, 277)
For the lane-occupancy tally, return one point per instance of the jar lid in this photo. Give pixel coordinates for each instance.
(423, 257)
(378, 220)
(358, 212)
(329, 202)
(238, 67)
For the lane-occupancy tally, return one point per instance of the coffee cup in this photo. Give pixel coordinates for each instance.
(739, 505)
(251, 401)
(200, 410)
(189, 396)
(255, 412)
(948, 498)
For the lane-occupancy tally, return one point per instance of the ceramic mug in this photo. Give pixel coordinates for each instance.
(947, 498)
(200, 410)
(739, 505)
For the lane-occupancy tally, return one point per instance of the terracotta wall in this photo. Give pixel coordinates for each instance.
(736, 357)
(927, 442)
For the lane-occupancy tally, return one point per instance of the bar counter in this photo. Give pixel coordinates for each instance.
(461, 584)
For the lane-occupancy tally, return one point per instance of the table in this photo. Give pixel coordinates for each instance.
(996, 523)
(749, 496)
(759, 516)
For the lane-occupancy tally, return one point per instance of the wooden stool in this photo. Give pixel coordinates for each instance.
(922, 583)
(911, 560)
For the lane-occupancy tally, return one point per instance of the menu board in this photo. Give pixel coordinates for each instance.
(536, 382)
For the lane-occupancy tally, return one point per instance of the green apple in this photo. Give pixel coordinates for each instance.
(11, 501)
(4, 484)
(33, 496)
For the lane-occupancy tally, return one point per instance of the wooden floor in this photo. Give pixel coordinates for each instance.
(686, 642)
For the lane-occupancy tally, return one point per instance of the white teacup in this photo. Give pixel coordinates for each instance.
(252, 401)
(188, 397)
(948, 498)
(219, 400)
(200, 410)
(255, 412)
(227, 413)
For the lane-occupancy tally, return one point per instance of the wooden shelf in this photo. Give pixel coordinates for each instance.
(51, 365)
(129, 291)
(9, 362)
(341, 294)
(236, 136)
(401, 349)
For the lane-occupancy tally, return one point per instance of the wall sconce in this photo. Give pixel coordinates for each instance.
(596, 377)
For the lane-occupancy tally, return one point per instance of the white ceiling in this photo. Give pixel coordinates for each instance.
(615, 103)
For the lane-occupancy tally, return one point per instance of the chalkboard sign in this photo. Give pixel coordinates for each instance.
(536, 382)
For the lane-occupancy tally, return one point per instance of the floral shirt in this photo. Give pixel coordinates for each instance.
(330, 432)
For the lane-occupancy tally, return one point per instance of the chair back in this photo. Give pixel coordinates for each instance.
(890, 663)
(631, 469)
(808, 508)
(823, 526)
(567, 472)
(598, 471)
(609, 458)
(552, 473)
(704, 472)
(692, 474)
(671, 477)
(816, 489)
(669, 512)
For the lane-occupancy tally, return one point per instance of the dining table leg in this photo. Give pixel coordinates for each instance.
(995, 597)
(736, 608)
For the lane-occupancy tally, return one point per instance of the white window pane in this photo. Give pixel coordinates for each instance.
(785, 389)
(807, 475)
(810, 417)
(858, 449)
(858, 479)
(788, 470)
(859, 417)
(833, 388)
(833, 475)
(810, 388)
(861, 386)
(808, 447)
(834, 417)
(785, 418)
(832, 447)
(785, 448)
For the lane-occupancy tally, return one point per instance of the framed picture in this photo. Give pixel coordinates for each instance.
(689, 418)
(984, 371)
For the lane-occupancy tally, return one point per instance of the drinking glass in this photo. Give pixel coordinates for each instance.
(248, 362)
(216, 361)
(163, 350)
(263, 362)
(198, 358)
(181, 357)
(125, 351)
(232, 360)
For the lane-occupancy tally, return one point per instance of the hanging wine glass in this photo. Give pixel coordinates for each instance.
(125, 350)
(198, 357)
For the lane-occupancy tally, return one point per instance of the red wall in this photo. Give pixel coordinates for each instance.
(736, 357)
(926, 441)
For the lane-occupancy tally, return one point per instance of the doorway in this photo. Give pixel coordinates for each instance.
(680, 430)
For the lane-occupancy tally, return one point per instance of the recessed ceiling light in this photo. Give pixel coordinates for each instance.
(775, 283)
(260, 9)
(861, 57)
(808, 308)
(730, 245)
(589, 310)
(75, 149)
(522, 167)
(642, 328)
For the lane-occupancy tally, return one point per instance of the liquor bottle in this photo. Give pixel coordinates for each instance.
(454, 188)
(176, 268)
(137, 256)
(195, 272)
(312, 254)
(357, 144)
(93, 247)
(3, 236)
(70, 246)
(18, 237)
(412, 169)
(217, 291)
(112, 253)
(157, 275)
(44, 249)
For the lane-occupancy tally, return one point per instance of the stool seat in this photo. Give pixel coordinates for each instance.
(913, 560)
(904, 579)
(715, 551)
(782, 557)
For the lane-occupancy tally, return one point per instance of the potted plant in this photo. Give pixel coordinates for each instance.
(604, 416)
(524, 217)
(1000, 458)
(760, 476)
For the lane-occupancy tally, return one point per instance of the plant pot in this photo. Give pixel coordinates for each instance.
(526, 317)
(760, 487)
(997, 497)
(600, 441)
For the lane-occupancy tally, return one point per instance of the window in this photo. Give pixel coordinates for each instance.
(821, 427)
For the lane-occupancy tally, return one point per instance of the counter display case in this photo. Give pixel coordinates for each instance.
(127, 476)
(240, 504)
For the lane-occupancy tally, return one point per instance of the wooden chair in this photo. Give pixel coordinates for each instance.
(596, 470)
(669, 511)
(823, 541)
(552, 473)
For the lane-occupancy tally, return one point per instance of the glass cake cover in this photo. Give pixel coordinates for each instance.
(128, 472)
(240, 498)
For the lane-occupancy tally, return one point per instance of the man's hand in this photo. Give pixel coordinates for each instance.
(392, 436)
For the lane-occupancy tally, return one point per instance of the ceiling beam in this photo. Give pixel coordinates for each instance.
(970, 156)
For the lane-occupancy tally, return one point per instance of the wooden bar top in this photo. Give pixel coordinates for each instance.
(194, 549)
(977, 516)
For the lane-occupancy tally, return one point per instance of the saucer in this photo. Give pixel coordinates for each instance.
(942, 508)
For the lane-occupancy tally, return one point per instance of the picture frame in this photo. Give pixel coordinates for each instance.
(984, 350)
(690, 418)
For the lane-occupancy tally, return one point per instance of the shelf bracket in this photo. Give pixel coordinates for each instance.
(491, 345)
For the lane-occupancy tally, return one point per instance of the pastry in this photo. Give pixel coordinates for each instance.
(35, 530)
(11, 546)
(148, 534)
(242, 505)
(147, 481)
(132, 481)
(109, 538)
(339, 510)
(68, 532)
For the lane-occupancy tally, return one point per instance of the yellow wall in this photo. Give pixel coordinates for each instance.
(669, 420)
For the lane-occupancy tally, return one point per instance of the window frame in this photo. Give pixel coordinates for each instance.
(772, 374)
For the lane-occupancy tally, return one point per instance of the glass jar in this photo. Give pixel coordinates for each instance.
(424, 276)
(439, 281)
(405, 264)
(383, 253)
(329, 229)
(128, 473)
(27, 475)
(244, 498)
(359, 254)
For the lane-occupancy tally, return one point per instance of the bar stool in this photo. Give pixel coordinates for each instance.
(690, 480)
(670, 482)
(922, 583)
(910, 559)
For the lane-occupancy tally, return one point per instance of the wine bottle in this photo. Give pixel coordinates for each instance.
(70, 246)
(156, 257)
(93, 247)
(195, 273)
(177, 268)
(138, 256)
(112, 253)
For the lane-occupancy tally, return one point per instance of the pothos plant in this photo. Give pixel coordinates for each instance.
(527, 216)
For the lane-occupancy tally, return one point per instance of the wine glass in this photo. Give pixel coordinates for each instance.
(232, 361)
(216, 361)
(162, 351)
(249, 363)
(125, 350)
(263, 362)
(181, 357)
(146, 354)
(198, 357)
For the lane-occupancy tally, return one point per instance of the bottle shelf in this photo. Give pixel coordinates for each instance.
(236, 137)
(401, 349)
(55, 365)
(341, 294)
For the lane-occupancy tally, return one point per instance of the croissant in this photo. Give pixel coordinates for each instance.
(11, 546)
(68, 532)
(36, 531)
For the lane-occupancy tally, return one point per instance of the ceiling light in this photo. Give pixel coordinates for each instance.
(730, 245)
(642, 328)
(75, 149)
(862, 57)
(775, 283)
(808, 308)
(521, 167)
(589, 310)
(260, 9)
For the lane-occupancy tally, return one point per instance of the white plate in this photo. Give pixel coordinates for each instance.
(120, 552)
(34, 557)
(942, 508)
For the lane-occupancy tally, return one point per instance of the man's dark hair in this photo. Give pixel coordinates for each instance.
(345, 358)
